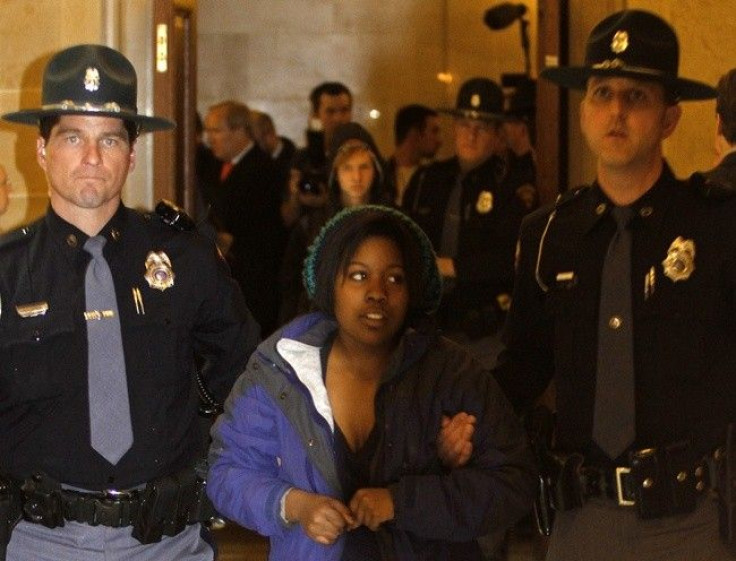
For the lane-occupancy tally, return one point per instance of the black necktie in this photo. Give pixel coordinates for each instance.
(614, 418)
(111, 433)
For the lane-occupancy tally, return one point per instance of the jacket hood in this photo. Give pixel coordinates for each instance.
(350, 131)
(343, 134)
(316, 328)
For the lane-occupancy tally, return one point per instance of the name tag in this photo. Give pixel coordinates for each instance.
(32, 310)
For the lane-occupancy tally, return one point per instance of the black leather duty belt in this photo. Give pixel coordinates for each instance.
(657, 482)
(164, 507)
(108, 508)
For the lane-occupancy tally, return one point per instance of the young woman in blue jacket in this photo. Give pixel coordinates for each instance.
(328, 442)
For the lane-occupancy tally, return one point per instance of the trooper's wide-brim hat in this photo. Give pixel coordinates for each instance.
(632, 44)
(479, 99)
(522, 103)
(90, 80)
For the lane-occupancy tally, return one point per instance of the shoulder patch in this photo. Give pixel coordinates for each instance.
(712, 187)
(175, 217)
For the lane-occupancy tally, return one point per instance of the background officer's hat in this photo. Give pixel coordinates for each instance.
(478, 98)
(634, 44)
(89, 80)
(522, 103)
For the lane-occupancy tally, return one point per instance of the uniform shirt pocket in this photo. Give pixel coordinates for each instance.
(39, 355)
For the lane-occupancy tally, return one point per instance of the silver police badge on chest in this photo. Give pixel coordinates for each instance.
(680, 261)
(159, 274)
(484, 204)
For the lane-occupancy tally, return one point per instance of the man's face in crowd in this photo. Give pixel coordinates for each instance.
(475, 141)
(225, 143)
(87, 160)
(430, 138)
(625, 120)
(334, 110)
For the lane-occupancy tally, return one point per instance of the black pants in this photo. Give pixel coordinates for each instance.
(603, 531)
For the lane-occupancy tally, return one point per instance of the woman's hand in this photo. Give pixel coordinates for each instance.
(455, 440)
(372, 507)
(322, 518)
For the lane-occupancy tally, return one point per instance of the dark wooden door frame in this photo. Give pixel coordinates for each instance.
(175, 97)
(552, 101)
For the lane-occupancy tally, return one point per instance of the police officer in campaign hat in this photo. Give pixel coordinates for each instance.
(106, 316)
(472, 216)
(626, 298)
(519, 130)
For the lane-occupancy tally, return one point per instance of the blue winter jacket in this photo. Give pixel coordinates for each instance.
(277, 432)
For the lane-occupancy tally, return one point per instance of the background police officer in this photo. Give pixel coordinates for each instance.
(106, 313)
(643, 265)
(472, 214)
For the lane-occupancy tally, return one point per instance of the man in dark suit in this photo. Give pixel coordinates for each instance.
(244, 201)
(725, 172)
(417, 137)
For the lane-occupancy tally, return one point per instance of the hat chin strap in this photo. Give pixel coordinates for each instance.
(618, 64)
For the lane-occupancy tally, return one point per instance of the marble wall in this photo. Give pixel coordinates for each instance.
(706, 31)
(30, 31)
(270, 53)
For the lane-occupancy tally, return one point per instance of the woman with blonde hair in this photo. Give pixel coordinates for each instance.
(356, 178)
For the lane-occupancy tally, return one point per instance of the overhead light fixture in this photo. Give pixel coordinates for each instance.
(444, 77)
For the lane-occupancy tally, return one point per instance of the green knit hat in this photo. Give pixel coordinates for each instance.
(431, 278)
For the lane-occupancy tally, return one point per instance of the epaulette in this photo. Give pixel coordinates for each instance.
(18, 235)
(175, 217)
(711, 187)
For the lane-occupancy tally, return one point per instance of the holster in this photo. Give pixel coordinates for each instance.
(10, 512)
(539, 423)
(662, 481)
(42, 502)
(169, 504)
(566, 488)
(726, 475)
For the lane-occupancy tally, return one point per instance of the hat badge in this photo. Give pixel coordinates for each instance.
(92, 79)
(620, 42)
(475, 100)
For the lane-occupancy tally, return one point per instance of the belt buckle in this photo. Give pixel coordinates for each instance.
(621, 471)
